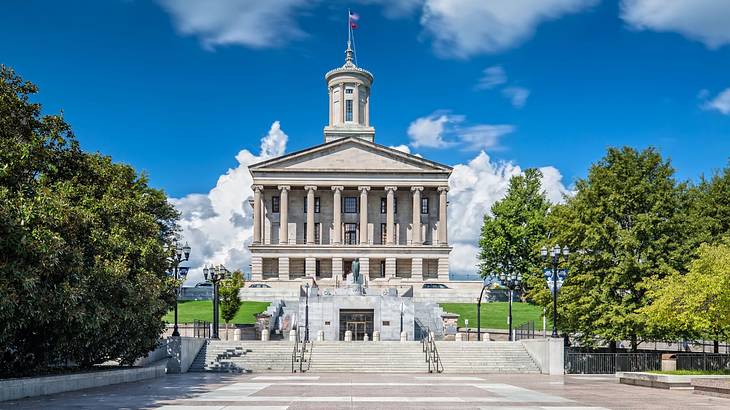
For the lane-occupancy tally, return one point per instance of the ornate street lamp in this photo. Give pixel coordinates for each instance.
(485, 286)
(511, 281)
(306, 312)
(176, 255)
(554, 277)
(215, 274)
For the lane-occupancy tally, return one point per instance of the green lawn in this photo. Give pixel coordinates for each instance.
(494, 314)
(190, 310)
(693, 372)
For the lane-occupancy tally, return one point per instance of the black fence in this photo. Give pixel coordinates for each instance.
(703, 361)
(201, 329)
(609, 363)
(525, 331)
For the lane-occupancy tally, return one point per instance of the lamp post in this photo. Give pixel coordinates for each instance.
(215, 274)
(401, 318)
(176, 255)
(485, 285)
(306, 312)
(511, 281)
(553, 256)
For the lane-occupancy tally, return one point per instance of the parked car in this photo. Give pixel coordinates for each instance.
(203, 285)
(259, 285)
(434, 286)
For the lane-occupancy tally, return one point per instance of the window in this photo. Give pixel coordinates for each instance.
(348, 90)
(316, 267)
(349, 205)
(348, 110)
(316, 232)
(275, 204)
(384, 205)
(316, 205)
(382, 269)
(424, 205)
(350, 234)
(383, 233)
(386, 322)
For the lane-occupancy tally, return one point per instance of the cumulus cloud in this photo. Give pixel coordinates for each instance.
(463, 28)
(721, 102)
(218, 225)
(491, 77)
(473, 188)
(516, 95)
(256, 24)
(395, 8)
(442, 130)
(701, 20)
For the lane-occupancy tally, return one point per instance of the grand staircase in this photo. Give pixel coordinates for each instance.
(363, 357)
(485, 357)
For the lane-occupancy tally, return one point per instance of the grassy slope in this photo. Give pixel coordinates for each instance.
(190, 310)
(494, 314)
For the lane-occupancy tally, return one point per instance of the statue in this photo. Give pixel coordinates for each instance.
(356, 271)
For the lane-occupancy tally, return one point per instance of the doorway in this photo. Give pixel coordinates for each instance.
(359, 322)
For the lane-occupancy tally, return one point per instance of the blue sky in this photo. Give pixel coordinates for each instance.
(178, 89)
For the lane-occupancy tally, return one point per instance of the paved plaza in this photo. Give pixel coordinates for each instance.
(372, 391)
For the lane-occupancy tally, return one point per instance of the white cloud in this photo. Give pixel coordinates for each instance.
(720, 103)
(402, 148)
(256, 24)
(395, 8)
(473, 188)
(440, 130)
(491, 77)
(218, 225)
(517, 95)
(429, 131)
(462, 28)
(702, 20)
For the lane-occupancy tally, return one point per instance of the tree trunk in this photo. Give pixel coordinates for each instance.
(612, 346)
(634, 343)
(716, 346)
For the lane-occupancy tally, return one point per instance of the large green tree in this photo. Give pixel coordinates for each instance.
(81, 245)
(626, 226)
(710, 207)
(695, 305)
(228, 294)
(514, 229)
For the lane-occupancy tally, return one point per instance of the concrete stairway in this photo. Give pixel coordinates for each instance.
(485, 357)
(368, 357)
(243, 357)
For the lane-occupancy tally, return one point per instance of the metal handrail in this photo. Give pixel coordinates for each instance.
(294, 352)
(435, 357)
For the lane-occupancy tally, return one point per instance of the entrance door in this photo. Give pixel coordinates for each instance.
(359, 322)
(346, 268)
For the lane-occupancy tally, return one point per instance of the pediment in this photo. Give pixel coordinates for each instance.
(350, 155)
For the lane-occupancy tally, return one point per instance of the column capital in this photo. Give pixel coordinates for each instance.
(391, 188)
(416, 188)
(257, 188)
(443, 189)
(284, 187)
(337, 188)
(363, 188)
(310, 187)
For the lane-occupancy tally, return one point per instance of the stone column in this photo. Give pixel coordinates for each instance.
(442, 270)
(342, 103)
(284, 213)
(310, 213)
(337, 214)
(389, 267)
(390, 215)
(443, 229)
(367, 109)
(257, 263)
(284, 268)
(363, 214)
(336, 267)
(257, 213)
(416, 229)
(331, 91)
(310, 266)
(417, 269)
(356, 105)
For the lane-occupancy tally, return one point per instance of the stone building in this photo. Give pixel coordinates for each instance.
(318, 209)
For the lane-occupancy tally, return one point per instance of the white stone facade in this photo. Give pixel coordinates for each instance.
(317, 210)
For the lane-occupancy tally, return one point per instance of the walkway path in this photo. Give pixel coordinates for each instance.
(372, 391)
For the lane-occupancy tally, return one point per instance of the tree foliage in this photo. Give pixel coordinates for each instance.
(81, 245)
(627, 226)
(695, 305)
(511, 235)
(228, 294)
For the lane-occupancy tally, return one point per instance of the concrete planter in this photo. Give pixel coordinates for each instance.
(13, 389)
(664, 381)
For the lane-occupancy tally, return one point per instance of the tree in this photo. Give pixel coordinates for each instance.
(511, 235)
(695, 305)
(711, 207)
(228, 294)
(81, 245)
(627, 226)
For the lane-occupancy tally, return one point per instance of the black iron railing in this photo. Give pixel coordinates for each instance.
(525, 330)
(703, 361)
(609, 363)
(432, 354)
(201, 328)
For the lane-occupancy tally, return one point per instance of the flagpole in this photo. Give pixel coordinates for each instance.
(349, 28)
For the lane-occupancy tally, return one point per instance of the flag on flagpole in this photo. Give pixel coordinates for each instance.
(354, 17)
